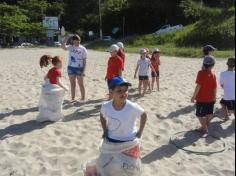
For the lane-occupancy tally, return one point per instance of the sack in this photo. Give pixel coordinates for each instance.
(117, 160)
(50, 104)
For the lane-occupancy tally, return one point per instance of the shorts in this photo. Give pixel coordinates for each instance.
(157, 74)
(143, 78)
(75, 71)
(205, 109)
(230, 104)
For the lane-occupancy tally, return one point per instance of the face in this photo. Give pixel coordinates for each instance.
(114, 53)
(211, 53)
(156, 55)
(76, 42)
(120, 93)
(143, 55)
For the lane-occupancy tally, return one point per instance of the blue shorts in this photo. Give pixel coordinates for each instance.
(75, 71)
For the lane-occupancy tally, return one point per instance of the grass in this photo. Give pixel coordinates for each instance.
(167, 49)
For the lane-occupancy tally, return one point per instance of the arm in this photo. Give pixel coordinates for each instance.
(215, 94)
(85, 66)
(63, 46)
(61, 84)
(45, 77)
(152, 68)
(197, 89)
(142, 125)
(136, 71)
(104, 125)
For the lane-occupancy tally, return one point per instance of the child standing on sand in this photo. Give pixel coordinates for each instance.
(121, 53)
(54, 74)
(114, 67)
(155, 60)
(227, 81)
(208, 50)
(205, 93)
(143, 66)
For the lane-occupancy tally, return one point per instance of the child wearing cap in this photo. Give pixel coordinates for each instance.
(121, 52)
(143, 66)
(205, 93)
(114, 67)
(119, 116)
(208, 50)
(227, 81)
(155, 60)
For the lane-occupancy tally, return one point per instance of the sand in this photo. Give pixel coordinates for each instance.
(60, 149)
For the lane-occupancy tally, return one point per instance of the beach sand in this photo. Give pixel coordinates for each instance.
(60, 149)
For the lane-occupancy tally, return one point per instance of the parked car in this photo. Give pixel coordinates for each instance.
(23, 45)
(168, 29)
(57, 44)
(107, 38)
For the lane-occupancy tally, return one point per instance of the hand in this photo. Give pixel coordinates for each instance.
(104, 135)
(105, 78)
(83, 74)
(135, 76)
(193, 100)
(139, 134)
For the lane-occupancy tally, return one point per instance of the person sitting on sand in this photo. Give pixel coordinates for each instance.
(205, 93)
(77, 65)
(227, 81)
(121, 53)
(114, 67)
(143, 66)
(155, 60)
(54, 74)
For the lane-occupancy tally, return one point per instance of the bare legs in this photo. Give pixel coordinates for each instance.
(226, 112)
(73, 79)
(144, 84)
(205, 123)
(157, 80)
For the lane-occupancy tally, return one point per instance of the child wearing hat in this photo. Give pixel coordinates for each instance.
(227, 81)
(155, 60)
(208, 50)
(143, 66)
(114, 67)
(205, 93)
(119, 116)
(121, 53)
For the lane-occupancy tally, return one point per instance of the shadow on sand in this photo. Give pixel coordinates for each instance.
(18, 112)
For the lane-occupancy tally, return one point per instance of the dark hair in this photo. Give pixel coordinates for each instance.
(76, 38)
(231, 62)
(206, 66)
(206, 52)
(45, 60)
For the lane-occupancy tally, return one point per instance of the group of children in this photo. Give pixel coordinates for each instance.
(205, 94)
(146, 67)
(114, 113)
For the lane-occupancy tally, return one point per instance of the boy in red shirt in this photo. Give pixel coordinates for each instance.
(115, 66)
(205, 93)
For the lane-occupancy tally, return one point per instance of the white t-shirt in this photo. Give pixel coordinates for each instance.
(122, 124)
(77, 55)
(227, 79)
(144, 65)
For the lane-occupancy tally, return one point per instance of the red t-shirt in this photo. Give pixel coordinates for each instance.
(53, 74)
(156, 63)
(115, 66)
(208, 82)
(121, 53)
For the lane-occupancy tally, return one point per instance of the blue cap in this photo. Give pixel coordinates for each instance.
(118, 81)
(209, 60)
(208, 48)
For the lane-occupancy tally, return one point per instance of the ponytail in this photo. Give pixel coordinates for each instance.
(45, 60)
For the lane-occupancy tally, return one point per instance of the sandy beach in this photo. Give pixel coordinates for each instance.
(60, 149)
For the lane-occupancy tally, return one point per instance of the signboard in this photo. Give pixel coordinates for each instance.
(51, 23)
(91, 33)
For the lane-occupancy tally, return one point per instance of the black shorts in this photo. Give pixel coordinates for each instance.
(205, 109)
(143, 78)
(230, 104)
(157, 74)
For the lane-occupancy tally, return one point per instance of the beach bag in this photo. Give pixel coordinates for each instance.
(122, 159)
(50, 104)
